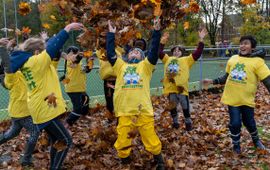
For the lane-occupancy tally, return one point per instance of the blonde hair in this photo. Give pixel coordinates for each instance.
(34, 44)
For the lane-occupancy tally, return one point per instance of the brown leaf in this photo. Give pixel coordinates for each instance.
(60, 145)
(51, 99)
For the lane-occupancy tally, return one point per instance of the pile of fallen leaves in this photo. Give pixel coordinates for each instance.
(207, 146)
(129, 16)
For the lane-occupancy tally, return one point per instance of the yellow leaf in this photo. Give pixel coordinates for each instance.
(88, 53)
(186, 25)
(53, 17)
(46, 26)
(24, 8)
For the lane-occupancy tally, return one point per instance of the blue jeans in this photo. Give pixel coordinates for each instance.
(183, 100)
(80, 102)
(15, 129)
(239, 114)
(58, 134)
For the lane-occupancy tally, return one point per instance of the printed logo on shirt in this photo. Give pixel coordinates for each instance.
(27, 73)
(173, 67)
(238, 74)
(132, 78)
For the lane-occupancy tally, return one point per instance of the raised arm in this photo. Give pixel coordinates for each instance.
(163, 41)
(197, 54)
(55, 44)
(110, 44)
(154, 48)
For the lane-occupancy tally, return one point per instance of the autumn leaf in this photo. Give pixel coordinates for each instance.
(132, 134)
(193, 6)
(186, 25)
(60, 145)
(51, 99)
(88, 53)
(247, 2)
(26, 30)
(53, 17)
(46, 26)
(65, 81)
(24, 8)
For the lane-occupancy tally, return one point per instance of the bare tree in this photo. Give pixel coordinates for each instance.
(214, 12)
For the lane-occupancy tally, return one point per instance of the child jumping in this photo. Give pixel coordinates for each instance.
(132, 100)
(19, 112)
(75, 86)
(243, 73)
(176, 77)
(45, 100)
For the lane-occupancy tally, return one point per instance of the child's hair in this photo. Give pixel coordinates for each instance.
(73, 49)
(140, 40)
(182, 49)
(251, 39)
(33, 44)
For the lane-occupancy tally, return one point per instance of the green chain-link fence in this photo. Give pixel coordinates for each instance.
(204, 68)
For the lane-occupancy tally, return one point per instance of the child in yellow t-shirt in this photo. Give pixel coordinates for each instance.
(176, 77)
(108, 76)
(19, 113)
(45, 100)
(132, 101)
(75, 86)
(243, 73)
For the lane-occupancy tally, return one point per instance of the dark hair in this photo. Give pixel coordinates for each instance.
(140, 40)
(182, 49)
(73, 49)
(251, 39)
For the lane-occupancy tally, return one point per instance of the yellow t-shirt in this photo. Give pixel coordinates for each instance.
(179, 68)
(42, 81)
(55, 63)
(16, 84)
(77, 78)
(105, 68)
(132, 88)
(244, 75)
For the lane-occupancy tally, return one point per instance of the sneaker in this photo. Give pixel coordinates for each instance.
(175, 123)
(126, 160)
(188, 123)
(237, 148)
(160, 162)
(258, 144)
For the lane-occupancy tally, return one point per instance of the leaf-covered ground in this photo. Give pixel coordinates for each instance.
(207, 146)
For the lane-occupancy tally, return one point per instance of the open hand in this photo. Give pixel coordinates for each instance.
(157, 24)
(202, 33)
(165, 37)
(112, 28)
(74, 26)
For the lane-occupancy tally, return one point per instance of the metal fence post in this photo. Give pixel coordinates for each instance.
(201, 71)
(5, 18)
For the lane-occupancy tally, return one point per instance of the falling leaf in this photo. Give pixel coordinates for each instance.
(132, 134)
(26, 30)
(46, 26)
(186, 25)
(59, 145)
(193, 6)
(24, 8)
(247, 2)
(88, 53)
(65, 81)
(51, 99)
(52, 17)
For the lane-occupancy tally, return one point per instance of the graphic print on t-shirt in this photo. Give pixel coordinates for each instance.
(238, 74)
(132, 79)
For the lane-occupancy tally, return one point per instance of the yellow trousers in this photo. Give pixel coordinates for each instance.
(145, 126)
